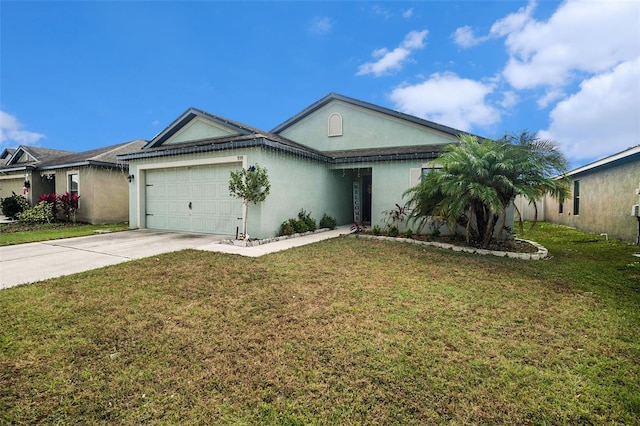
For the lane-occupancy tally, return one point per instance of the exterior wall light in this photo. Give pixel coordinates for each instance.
(130, 178)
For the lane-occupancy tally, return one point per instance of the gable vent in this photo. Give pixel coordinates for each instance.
(335, 125)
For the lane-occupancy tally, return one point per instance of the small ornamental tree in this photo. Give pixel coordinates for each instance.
(252, 186)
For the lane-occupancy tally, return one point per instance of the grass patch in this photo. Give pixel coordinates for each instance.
(19, 233)
(345, 331)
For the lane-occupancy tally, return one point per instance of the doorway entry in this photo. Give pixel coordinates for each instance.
(366, 198)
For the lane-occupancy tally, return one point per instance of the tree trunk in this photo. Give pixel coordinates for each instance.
(245, 214)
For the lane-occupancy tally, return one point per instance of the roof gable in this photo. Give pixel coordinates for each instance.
(361, 126)
(195, 124)
(331, 97)
(30, 155)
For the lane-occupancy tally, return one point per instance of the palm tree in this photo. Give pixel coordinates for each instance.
(477, 181)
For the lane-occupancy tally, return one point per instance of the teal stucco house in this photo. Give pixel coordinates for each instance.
(349, 159)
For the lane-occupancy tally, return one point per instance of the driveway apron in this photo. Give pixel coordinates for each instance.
(26, 263)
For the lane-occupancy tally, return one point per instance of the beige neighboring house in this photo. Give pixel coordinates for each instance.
(96, 176)
(603, 194)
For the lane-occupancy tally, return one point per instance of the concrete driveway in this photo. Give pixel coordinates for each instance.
(26, 263)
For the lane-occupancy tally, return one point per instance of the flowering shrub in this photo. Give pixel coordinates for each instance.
(69, 205)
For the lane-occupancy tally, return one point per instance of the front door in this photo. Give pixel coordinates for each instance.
(366, 199)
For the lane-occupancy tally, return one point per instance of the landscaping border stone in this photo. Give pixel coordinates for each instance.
(254, 243)
(541, 252)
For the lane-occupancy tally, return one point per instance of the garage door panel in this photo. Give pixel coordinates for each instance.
(169, 192)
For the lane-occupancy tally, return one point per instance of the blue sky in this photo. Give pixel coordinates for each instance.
(82, 75)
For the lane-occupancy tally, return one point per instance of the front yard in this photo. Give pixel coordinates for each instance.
(20, 233)
(346, 331)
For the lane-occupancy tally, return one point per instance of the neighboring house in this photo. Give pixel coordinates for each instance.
(349, 159)
(602, 196)
(96, 176)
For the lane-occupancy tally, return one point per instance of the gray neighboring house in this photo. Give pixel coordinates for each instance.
(602, 196)
(96, 176)
(349, 159)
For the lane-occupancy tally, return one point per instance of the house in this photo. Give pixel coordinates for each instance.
(602, 196)
(96, 176)
(349, 159)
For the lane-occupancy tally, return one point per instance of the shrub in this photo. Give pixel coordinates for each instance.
(376, 230)
(40, 213)
(293, 226)
(287, 228)
(69, 205)
(408, 233)
(393, 231)
(308, 221)
(328, 222)
(52, 199)
(303, 223)
(13, 205)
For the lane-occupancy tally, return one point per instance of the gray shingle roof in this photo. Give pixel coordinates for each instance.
(100, 156)
(47, 159)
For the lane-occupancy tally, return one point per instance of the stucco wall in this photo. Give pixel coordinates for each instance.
(362, 129)
(606, 197)
(104, 193)
(14, 182)
(297, 184)
(11, 183)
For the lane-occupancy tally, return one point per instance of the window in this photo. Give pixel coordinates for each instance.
(73, 183)
(335, 125)
(576, 197)
(561, 208)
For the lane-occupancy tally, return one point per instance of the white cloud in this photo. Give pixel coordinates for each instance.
(11, 131)
(549, 97)
(321, 25)
(407, 13)
(464, 37)
(514, 21)
(393, 60)
(509, 99)
(602, 118)
(581, 37)
(380, 11)
(448, 99)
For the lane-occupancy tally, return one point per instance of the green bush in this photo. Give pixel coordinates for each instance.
(303, 223)
(376, 230)
(393, 231)
(14, 205)
(40, 213)
(308, 221)
(328, 222)
(408, 233)
(287, 228)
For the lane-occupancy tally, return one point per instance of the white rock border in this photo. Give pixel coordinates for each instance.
(541, 253)
(254, 243)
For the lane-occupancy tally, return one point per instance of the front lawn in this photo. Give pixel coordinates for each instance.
(346, 331)
(19, 233)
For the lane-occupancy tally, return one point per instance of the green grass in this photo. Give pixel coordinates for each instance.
(346, 331)
(19, 233)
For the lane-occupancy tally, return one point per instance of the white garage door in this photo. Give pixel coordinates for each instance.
(193, 199)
